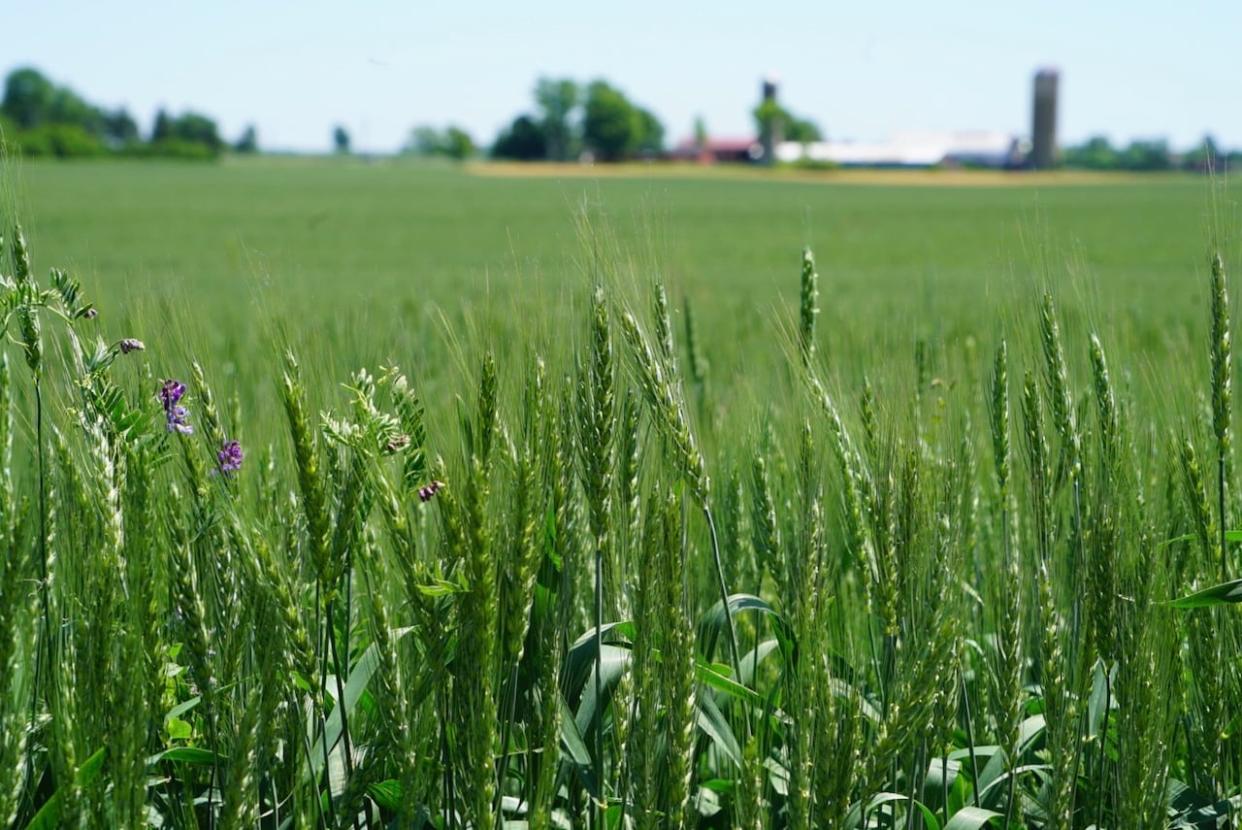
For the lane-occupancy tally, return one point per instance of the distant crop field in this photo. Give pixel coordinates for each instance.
(369, 255)
(339, 494)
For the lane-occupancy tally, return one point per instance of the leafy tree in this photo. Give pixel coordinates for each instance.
(1147, 155)
(28, 98)
(120, 129)
(700, 132)
(802, 130)
(189, 135)
(71, 141)
(162, 129)
(31, 100)
(1096, 154)
(458, 144)
(453, 142)
(51, 120)
(523, 140)
(340, 140)
(69, 108)
(557, 100)
(610, 124)
(650, 139)
(58, 141)
(198, 129)
(248, 142)
(770, 120)
(424, 141)
(770, 116)
(1204, 158)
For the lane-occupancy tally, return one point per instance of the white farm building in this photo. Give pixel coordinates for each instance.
(967, 148)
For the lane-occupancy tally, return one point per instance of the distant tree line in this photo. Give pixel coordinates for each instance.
(41, 118)
(1098, 153)
(452, 142)
(571, 119)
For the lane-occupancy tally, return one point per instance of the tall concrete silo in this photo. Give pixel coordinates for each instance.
(772, 131)
(1044, 120)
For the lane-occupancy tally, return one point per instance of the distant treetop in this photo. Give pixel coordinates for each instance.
(571, 119)
(40, 118)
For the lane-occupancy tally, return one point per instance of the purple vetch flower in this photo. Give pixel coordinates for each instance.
(427, 491)
(129, 344)
(230, 457)
(176, 416)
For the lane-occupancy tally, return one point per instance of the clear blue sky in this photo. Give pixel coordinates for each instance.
(1134, 68)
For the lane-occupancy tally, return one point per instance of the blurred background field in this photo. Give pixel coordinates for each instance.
(363, 263)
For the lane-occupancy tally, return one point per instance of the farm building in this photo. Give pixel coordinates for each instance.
(716, 150)
(969, 148)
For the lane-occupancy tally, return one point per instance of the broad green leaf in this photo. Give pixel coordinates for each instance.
(714, 725)
(930, 822)
(754, 658)
(614, 661)
(1102, 694)
(1016, 773)
(1032, 728)
(359, 677)
(1190, 810)
(576, 748)
(972, 818)
(48, 817)
(714, 624)
(1225, 592)
(710, 675)
(580, 659)
(941, 776)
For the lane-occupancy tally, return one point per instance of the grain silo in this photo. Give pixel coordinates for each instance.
(1044, 120)
(771, 130)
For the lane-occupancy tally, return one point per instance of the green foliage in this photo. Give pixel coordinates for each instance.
(58, 141)
(597, 117)
(50, 121)
(340, 140)
(452, 142)
(248, 142)
(1141, 155)
(614, 128)
(523, 140)
(773, 119)
(189, 128)
(557, 100)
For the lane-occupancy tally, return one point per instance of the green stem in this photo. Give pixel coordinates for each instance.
(45, 633)
(598, 732)
(320, 633)
(724, 593)
(1224, 521)
(340, 698)
(970, 738)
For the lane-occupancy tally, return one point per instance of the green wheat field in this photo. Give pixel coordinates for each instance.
(338, 494)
